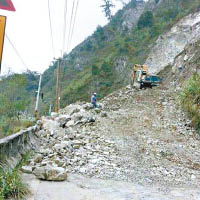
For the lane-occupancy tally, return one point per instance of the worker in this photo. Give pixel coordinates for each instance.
(94, 100)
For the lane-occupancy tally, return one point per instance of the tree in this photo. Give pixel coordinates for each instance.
(105, 69)
(95, 70)
(13, 96)
(146, 20)
(107, 8)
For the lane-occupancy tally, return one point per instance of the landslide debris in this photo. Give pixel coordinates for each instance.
(139, 136)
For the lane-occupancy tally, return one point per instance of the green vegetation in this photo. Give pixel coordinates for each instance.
(107, 8)
(146, 20)
(11, 185)
(14, 104)
(190, 100)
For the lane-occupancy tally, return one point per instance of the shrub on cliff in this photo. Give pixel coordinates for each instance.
(190, 100)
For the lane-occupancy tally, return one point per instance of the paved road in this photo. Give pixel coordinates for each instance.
(79, 188)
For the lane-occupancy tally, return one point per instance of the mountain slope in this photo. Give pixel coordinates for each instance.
(103, 61)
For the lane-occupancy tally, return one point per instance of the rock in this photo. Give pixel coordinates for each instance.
(83, 170)
(27, 169)
(70, 123)
(69, 131)
(97, 110)
(193, 177)
(62, 120)
(38, 158)
(104, 114)
(91, 119)
(45, 152)
(164, 103)
(88, 106)
(60, 132)
(57, 147)
(50, 125)
(81, 116)
(54, 114)
(62, 145)
(40, 173)
(71, 109)
(50, 173)
(100, 106)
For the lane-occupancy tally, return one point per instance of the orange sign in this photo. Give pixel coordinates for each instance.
(2, 34)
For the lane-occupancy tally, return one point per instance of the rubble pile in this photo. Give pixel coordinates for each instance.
(69, 143)
(137, 136)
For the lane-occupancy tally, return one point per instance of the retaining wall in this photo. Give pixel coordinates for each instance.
(14, 146)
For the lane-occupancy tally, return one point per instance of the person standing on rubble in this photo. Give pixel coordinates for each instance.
(94, 100)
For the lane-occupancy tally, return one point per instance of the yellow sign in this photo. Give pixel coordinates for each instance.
(2, 34)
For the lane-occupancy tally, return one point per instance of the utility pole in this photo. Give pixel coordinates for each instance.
(57, 107)
(38, 97)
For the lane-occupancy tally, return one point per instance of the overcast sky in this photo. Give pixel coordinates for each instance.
(28, 29)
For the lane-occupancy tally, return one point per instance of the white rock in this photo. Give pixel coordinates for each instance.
(54, 114)
(27, 169)
(70, 123)
(193, 177)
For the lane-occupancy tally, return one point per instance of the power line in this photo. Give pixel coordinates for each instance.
(51, 30)
(13, 46)
(64, 28)
(73, 24)
(71, 20)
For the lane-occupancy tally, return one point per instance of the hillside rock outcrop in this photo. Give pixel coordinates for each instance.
(169, 45)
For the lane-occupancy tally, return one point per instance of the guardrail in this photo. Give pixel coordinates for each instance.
(14, 146)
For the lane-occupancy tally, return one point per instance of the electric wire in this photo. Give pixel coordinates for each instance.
(70, 27)
(16, 51)
(74, 22)
(64, 27)
(51, 30)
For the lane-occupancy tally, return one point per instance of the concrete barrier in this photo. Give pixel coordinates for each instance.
(14, 146)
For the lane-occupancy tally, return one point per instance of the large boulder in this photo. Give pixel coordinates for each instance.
(50, 173)
(62, 120)
(81, 116)
(71, 109)
(50, 125)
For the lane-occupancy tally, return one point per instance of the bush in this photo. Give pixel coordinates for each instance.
(190, 100)
(8, 127)
(11, 185)
(27, 124)
(95, 70)
(146, 20)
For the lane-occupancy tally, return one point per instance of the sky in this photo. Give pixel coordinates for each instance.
(29, 31)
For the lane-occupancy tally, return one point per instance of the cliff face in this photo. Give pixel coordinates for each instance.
(172, 43)
(186, 63)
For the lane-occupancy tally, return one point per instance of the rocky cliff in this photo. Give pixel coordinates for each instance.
(172, 43)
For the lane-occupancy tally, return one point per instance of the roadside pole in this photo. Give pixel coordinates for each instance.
(38, 97)
(58, 89)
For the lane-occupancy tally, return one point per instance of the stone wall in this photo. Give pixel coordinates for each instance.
(14, 146)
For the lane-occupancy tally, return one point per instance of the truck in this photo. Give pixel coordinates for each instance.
(141, 78)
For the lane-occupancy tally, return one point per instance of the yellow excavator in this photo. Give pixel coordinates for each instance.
(141, 78)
